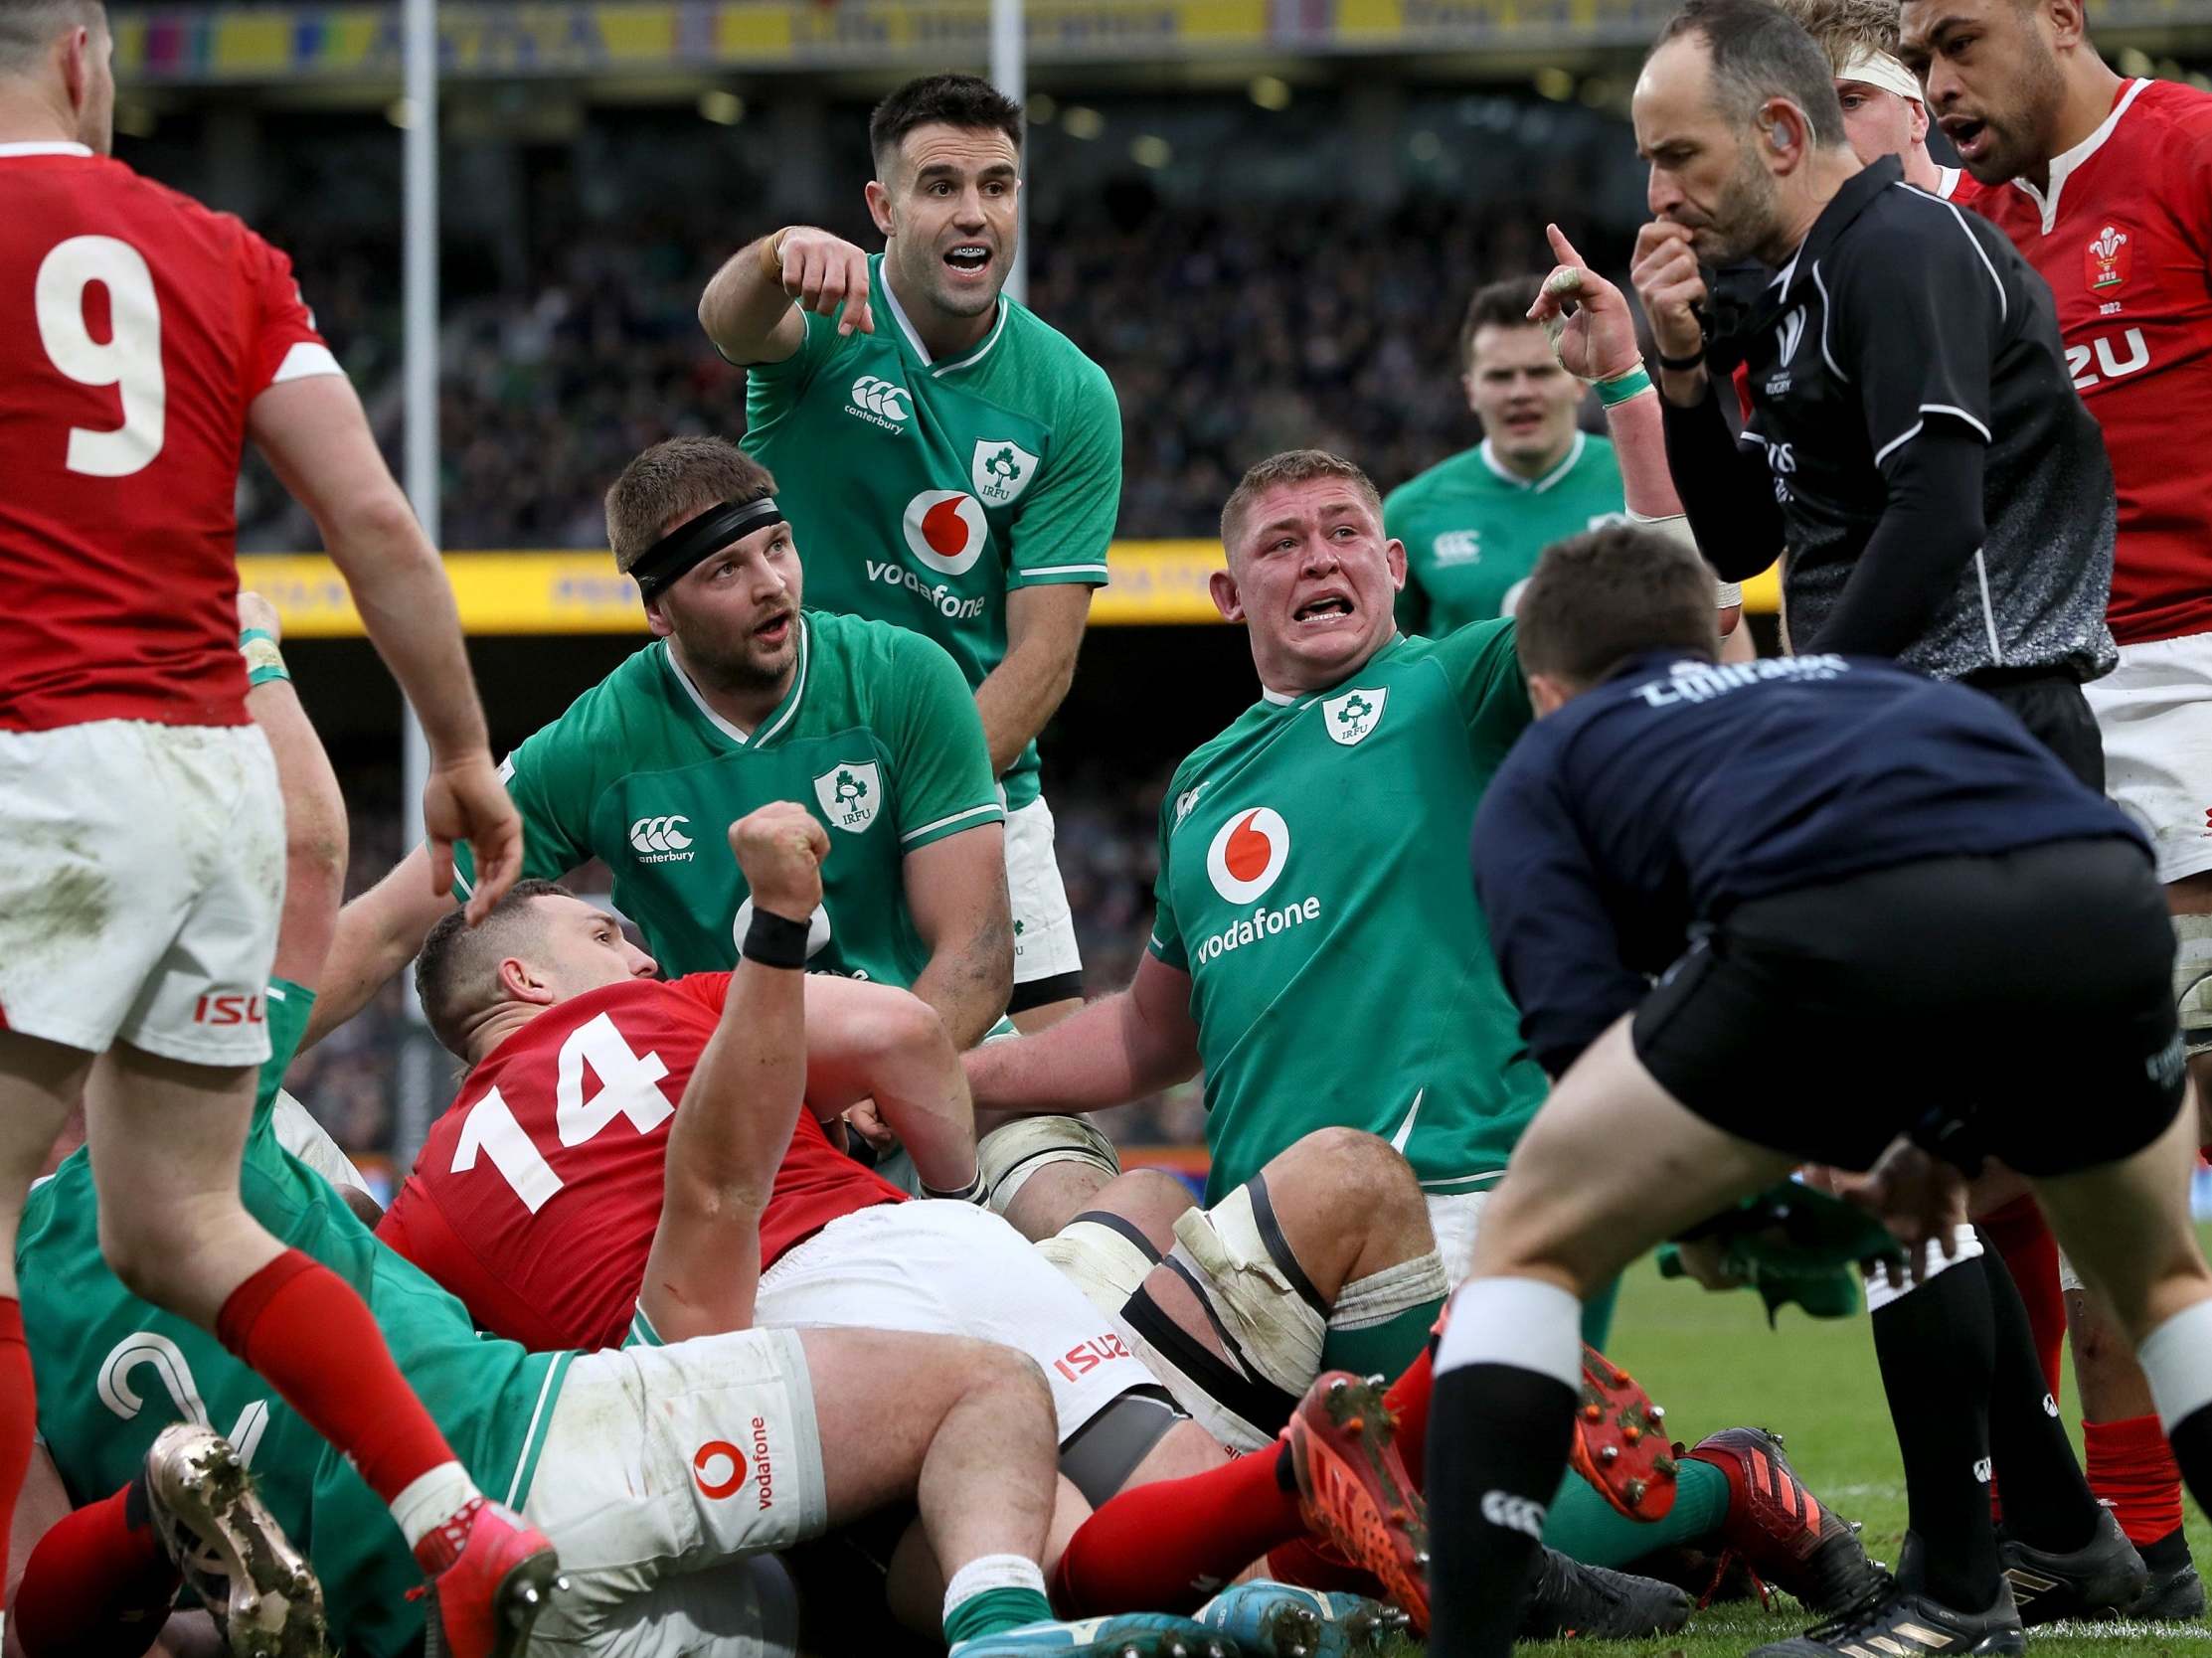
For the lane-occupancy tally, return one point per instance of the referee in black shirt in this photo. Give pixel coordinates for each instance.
(1915, 449)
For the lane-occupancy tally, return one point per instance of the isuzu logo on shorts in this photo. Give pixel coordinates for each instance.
(661, 840)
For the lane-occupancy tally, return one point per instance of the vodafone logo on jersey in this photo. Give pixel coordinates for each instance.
(1247, 853)
(945, 530)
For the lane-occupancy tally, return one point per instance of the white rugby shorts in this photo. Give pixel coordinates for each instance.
(2155, 712)
(1044, 927)
(940, 1267)
(663, 1468)
(141, 881)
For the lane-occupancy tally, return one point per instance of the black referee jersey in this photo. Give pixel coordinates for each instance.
(1905, 346)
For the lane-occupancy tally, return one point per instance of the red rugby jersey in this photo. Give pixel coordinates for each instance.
(2123, 236)
(136, 327)
(535, 1198)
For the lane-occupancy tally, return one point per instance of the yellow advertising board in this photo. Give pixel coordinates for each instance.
(1153, 583)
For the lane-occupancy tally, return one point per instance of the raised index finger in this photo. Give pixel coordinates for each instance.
(1563, 250)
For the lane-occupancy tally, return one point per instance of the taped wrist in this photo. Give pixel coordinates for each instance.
(773, 941)
(263, 661)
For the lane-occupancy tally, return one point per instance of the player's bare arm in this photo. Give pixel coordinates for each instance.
(317, 439)
(1598, 343)
(1112, 1051)
(877, 1044)
(728, 1136)
(315, 834)
(956, 891)
(378, 933)
(753, 305)
(1044, 632)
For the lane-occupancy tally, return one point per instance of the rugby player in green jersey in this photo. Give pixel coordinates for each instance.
(743, 697)
(953, 463)
(660, 1472)
(1473, 525)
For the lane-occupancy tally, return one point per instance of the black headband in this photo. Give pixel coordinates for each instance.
(674, 555)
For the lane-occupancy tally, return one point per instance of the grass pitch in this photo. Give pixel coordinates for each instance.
(1713, 1363)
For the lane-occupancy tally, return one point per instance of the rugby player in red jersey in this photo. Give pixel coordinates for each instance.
(143, 341)
(2104, 183)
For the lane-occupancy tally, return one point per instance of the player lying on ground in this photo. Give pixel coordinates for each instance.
(541, 1212)
(133, 965)
(1841, 847)
(658, 1471)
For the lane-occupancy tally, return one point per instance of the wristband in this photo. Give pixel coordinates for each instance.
(773, 941)
(1682, 365)
(772, 255)
(1622, 386)
(972, 1192)
(263, 661)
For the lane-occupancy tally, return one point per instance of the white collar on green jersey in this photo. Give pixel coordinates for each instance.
(1291, 699)
(914, 339)
(1536, 486)
(764, 733)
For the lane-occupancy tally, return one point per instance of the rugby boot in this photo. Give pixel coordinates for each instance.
(1269, 1619)
(1124, 1635)
(1567, 1598)
(498, 1575)
(1895, 1622)
(2099, 1579)
(259, 1588)
(2174, 1594)
(1785, 1534)
(1353, 1488)
(1618, 1445)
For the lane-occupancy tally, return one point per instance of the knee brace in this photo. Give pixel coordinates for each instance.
(2192, 981)
(1008, 1156)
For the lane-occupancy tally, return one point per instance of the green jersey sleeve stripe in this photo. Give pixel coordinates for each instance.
(988, 812)
(1063, 570)
(534, 1437)
(642, 1333)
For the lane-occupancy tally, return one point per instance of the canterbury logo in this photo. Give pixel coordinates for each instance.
(880, 397)
(660, 834)
(1515, 1513)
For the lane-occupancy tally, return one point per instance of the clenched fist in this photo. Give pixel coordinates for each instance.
(779, 849)
(822, 271)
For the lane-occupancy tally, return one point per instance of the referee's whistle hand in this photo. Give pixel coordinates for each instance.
(1669, 284)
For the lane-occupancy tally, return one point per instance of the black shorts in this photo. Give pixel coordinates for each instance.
(2056, 712)
(2017, 1005)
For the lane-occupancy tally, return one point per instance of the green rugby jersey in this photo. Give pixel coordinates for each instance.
(922, 492)
(1474, 528)
(115, 1371)
(878, 738)
(1314, 885)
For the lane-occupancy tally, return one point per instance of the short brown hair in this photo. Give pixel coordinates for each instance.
(1498, 305)
(1844, 28)
(1292, 466)
(455, 976)
(28, 28)
(680, 478)
(1597, 598)
(1757, 51)
(966, 101)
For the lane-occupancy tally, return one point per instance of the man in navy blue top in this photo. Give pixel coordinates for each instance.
(1838, 871)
